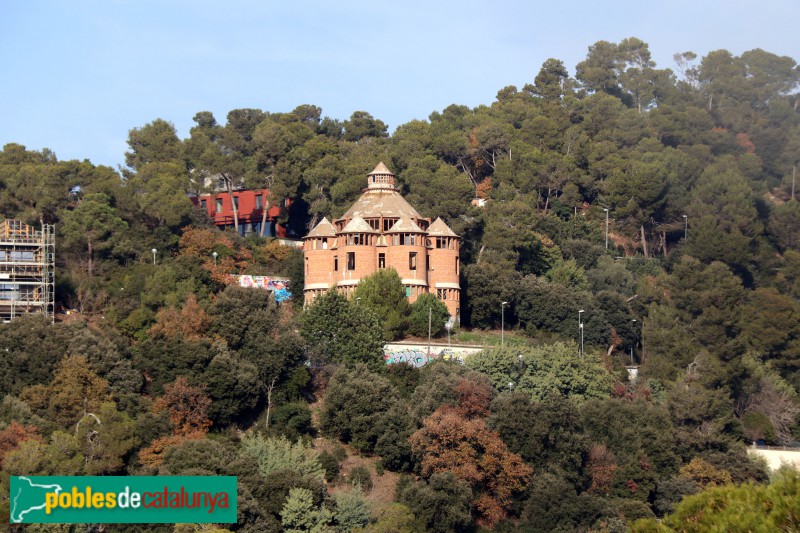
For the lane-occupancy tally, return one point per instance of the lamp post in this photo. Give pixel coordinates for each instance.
(580, 327)
(215, 255)
(606, 210)
(430, 311)
(449, 326)
(634, 341)
(154, 251)
(685, 227)
(503, 323)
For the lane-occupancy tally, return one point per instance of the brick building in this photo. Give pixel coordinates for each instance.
(382, 230)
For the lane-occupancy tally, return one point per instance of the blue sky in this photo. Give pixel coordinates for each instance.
(78, 75)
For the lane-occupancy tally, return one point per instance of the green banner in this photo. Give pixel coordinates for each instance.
(122, 499)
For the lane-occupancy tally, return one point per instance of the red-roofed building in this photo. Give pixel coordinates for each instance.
(250, 205)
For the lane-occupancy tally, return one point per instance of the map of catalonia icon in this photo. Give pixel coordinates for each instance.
(29, 497)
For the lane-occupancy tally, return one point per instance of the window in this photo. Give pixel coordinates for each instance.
(358, 239)
(219, 205)
(441, 294)
(259, 201)
(336, 263)
(457, 266)
(408, 292)
(441, 242)
(351, 260)
(412, 261)
(204, 204)
(236, 202)
(381, 260)
(21, 256)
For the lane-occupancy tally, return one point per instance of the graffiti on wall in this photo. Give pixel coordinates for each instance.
(419, 357)
(415, 358)
(278, 286)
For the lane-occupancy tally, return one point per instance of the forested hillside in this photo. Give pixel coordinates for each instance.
(660, 201)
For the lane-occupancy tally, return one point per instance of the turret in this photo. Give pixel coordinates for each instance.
(318, 252)
(445, 265)
(380, 178)
(406, 252)
(356, 253)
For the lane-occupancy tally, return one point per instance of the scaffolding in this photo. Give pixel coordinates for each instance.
(27, 263)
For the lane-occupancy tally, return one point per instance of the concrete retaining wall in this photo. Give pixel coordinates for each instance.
(776, 457)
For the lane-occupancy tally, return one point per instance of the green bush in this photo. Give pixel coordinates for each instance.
(330, 464)
(360, 476)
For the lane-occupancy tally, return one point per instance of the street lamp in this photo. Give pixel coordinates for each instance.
(503, 323)
(358, 301)
(154, 251)
(430, 311)
(685, 227)
(606, 210)
(634, 342)
(449, 326)
(580, 327)
(215, 255)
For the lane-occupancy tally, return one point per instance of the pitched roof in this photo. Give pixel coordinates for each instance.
(440, 229)
(323, 229)
(358, 225)
(405, 225)
(381, 202)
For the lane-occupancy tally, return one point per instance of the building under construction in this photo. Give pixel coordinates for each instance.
(27, 260)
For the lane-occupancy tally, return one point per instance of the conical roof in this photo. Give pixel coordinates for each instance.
(440, 229)
(375, 203)
(381, 199)
(405, 225)
(323, 229)
(358, 225)
(381, 169)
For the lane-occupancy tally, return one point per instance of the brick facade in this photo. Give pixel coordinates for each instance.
(382, 230)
